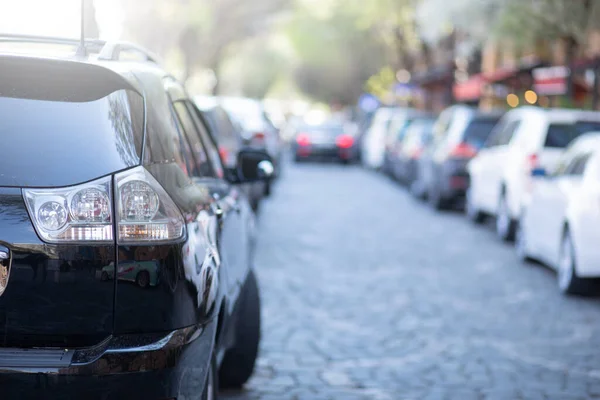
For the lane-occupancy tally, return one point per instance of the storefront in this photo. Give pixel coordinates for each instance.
(436, 86)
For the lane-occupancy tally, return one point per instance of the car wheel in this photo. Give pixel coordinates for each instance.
(238, 363)
(568, 281)
(473, 213)
(211, 387)
(104, 276)
(505, 225)
(521, 241)
(142, 279)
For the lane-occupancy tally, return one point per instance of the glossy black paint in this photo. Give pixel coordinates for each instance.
(76, 297)
(124, 367)
(54, 296)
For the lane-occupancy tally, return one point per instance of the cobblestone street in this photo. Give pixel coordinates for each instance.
(368, 294)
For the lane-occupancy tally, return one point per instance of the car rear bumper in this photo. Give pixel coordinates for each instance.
(172, 365)
(315, 152)
(455, 180)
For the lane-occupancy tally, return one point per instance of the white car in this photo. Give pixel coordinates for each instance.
(560, 224)
(373, 143)
(525, 139)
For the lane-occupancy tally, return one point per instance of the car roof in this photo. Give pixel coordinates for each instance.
(555, 114)
(102, 64)
(588, 141)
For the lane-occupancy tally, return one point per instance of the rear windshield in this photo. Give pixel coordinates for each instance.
(329, 130)
(561, 135)
(479, 130)
(60, 143)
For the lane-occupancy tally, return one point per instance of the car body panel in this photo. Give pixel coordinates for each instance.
(65, 298)
(567, 201)
(505, 167)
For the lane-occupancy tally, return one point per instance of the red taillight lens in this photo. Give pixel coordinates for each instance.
(258, 136)
(344, 141)
(463, 150)
(223, 153)
(416, 153)
(303, 139)
(532, 161)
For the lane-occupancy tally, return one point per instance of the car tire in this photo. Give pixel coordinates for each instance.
(238, 363)
(211, 387)
(521, 241)
(568, 281)
(505, 225)
(142, 279)
(104, 276)
(473, 213)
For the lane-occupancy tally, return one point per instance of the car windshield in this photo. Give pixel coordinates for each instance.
(322, 130)
(478, 131)
(561, 135)
(419, 132)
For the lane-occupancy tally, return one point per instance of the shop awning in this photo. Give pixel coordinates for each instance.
(469, 90)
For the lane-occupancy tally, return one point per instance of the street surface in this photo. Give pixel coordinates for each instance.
(368, 294)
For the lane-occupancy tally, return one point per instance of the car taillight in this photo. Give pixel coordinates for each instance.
(258, 136)
(416, 153)
(223, 153)
(144, 210)
(84, 213)
(344, 141)
(80, 213)
(532, 162)
(303, 139)
(463, 150)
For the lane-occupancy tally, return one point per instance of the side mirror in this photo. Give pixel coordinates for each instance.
(539, 172)
(253, 165)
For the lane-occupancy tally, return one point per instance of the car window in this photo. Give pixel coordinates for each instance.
(561, 135)
(478, 131)
(579, 165)
(207, 141)
(201, 166)
(503, 135)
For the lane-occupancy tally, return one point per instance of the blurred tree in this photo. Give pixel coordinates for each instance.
(334, 55)
(203, 30)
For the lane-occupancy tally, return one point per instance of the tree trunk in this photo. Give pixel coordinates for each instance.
(570, 61)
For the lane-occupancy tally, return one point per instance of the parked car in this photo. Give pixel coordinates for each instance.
(458, 134)
(260, 131)
(372, 146)
(329, 140)
(525, 139)
(109, 163)
(405, 155)
(559, 224)
(229, 134)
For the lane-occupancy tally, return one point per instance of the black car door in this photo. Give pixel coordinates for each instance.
(228, 204)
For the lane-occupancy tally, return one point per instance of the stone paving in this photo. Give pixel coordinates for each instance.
(368, 294)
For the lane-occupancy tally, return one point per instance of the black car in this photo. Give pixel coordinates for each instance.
(458, 134)
(329, 140)
(404, 156)
(230, 137)
(108, 170)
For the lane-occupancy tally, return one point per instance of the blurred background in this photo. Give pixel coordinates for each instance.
(333, 53)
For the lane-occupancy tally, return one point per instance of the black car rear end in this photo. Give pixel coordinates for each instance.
(92, 303)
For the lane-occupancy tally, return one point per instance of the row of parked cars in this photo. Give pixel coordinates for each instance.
(535, 171)
(126, 230)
